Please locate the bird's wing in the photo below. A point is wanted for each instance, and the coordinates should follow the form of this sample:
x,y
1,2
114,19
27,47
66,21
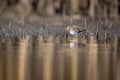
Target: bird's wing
x,y
76,29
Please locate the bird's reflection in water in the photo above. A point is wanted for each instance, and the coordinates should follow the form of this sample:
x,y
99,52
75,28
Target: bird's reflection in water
x,y
76,44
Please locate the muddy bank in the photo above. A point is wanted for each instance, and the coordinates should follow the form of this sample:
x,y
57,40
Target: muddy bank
x,y
56,26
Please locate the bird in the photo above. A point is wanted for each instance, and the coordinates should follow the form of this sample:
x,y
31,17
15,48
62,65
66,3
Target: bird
x,y
75,30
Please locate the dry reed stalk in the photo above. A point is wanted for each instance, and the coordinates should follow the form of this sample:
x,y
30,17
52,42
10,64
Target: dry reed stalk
x,y
71,21
106,32
97,31
110,26
9,27
3,31
85,23
106,29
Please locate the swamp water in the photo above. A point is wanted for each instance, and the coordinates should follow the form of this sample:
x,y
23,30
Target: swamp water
x,y
52,58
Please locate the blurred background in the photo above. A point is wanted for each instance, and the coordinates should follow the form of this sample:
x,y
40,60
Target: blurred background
x,y
87,8
34,46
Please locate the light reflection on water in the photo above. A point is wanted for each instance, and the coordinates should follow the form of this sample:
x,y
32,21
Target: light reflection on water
x,y
52,58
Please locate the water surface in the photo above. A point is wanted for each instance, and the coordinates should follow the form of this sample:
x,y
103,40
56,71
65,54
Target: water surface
x,y
54,58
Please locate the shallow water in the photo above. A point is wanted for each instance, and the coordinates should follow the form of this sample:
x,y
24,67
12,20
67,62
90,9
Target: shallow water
x,y
55,58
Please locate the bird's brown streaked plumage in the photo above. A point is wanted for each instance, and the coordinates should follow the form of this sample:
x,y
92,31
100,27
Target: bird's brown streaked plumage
x,y
75,30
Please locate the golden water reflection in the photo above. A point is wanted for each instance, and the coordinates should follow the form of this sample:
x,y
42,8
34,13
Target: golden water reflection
x,y
52,58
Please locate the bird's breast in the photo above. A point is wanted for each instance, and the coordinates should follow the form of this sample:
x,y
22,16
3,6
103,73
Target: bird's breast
x,y
76,33
73,32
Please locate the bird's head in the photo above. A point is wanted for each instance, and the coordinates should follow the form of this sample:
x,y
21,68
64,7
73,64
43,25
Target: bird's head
x,y
68,28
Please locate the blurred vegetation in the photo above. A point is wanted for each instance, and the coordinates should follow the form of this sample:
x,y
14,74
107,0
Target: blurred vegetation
x,y
90,8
